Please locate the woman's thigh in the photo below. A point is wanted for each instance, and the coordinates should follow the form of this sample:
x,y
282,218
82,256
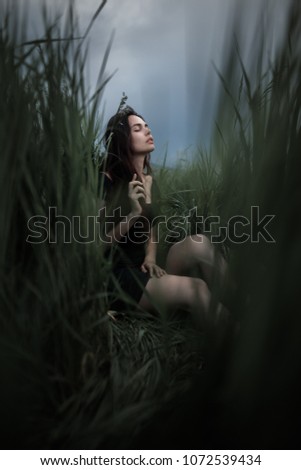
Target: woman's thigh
x,y
171,292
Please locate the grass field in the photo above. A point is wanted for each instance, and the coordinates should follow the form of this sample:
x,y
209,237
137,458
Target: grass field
x,y
72,376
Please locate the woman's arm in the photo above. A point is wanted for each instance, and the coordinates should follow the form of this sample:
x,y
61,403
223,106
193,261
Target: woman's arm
x,y
111,235
136,192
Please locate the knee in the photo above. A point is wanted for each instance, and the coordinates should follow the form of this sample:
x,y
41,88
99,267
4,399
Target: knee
x,y
200,239
199,246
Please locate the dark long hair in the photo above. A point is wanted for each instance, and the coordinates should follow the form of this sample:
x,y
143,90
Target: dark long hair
x,y
117,162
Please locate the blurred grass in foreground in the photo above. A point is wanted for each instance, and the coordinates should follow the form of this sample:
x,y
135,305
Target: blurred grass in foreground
x,y
250,396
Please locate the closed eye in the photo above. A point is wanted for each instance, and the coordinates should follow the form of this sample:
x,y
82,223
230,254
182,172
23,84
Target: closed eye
x,y
138,127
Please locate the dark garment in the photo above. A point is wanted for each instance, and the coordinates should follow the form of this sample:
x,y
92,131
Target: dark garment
x,y
128,253
132,281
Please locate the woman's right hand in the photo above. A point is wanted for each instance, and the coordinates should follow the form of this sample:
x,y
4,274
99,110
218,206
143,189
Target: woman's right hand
x,y
136,191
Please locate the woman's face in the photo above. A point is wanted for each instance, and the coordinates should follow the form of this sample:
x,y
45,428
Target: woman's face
x,y
141,140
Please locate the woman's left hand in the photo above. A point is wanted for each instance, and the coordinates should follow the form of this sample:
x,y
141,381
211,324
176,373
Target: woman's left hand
x,y
152,268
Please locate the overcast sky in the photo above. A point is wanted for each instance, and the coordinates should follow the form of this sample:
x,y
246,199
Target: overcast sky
x,y
163,50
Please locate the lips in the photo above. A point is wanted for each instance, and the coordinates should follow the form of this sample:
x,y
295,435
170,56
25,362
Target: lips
x,y
150,141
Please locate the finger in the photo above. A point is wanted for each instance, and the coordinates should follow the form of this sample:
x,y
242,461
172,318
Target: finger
x,y
138,187
134,177
136,190
157,271
143,268
151,271
136,183
139,192
161,272
137,196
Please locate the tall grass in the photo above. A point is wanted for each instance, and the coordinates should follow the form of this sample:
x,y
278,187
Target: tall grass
x,y
72,376
250,398
262,381
51,293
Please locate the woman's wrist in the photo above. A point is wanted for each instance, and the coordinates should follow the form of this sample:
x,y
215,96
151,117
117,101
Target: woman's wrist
x,y
150,259
134,214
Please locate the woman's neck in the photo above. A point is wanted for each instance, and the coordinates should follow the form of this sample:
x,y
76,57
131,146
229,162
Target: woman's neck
x,y
139,165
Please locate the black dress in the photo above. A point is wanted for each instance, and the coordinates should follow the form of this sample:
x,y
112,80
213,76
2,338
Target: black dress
x,y
128,253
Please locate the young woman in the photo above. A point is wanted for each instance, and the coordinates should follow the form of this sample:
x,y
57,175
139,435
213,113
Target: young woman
x,y
130,206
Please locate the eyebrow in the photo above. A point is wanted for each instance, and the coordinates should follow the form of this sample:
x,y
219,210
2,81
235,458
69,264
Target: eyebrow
x,y
138,124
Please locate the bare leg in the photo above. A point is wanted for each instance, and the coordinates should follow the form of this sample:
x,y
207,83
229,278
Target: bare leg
x,y
171,292
196,256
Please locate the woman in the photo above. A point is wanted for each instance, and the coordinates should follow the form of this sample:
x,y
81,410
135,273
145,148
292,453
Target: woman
x,y
130,200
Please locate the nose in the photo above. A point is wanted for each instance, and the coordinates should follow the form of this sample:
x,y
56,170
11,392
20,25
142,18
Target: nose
x,y
148,131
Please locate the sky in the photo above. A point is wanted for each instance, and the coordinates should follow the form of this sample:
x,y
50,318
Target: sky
x,y
164,52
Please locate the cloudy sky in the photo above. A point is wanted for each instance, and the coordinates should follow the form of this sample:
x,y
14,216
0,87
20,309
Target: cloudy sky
x,y
163,52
